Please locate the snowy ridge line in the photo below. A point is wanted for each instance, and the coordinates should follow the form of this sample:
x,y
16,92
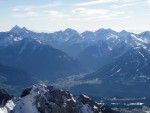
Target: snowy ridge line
x,y
48,99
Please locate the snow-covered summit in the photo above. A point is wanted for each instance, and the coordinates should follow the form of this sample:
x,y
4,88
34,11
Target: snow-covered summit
x,y
17,29
48,99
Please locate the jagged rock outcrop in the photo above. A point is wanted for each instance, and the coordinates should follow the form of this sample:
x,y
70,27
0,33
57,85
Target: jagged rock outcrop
x,y
48,99
4,97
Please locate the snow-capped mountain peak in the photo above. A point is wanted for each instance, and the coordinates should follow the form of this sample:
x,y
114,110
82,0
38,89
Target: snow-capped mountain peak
x,y
70,31
17,29
48,99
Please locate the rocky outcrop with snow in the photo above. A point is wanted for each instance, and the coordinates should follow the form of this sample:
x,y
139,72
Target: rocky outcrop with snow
x,y
4,97
48,99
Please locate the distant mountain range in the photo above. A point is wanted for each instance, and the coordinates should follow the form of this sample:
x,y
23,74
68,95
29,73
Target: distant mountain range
x,y
129,76
39,59
119,61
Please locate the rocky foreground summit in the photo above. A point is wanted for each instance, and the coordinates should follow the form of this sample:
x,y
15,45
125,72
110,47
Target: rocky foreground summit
x,y
47,99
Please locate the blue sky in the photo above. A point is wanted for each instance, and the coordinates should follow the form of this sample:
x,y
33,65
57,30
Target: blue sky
x,y
53,15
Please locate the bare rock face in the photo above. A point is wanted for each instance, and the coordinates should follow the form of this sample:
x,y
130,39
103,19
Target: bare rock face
x,y
4,97
48,99
26,92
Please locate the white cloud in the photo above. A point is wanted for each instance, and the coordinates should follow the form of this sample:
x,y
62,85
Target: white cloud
x,y
74,19
32,14
27,14
96,13
114,15
22,8
148,1
29,8
90,12
94,2
54,4
56,15
123,5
